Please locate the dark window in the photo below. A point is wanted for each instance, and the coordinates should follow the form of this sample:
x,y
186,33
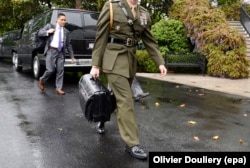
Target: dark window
x,y
73,18
90,19
14,34
38,23
5,39
26,29
48,19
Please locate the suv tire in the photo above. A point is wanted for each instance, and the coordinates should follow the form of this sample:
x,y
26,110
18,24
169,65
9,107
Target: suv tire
x,y
37,68
14,55
18,66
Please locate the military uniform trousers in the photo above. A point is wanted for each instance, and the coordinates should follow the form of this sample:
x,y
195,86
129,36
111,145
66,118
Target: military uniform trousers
x,y
126,119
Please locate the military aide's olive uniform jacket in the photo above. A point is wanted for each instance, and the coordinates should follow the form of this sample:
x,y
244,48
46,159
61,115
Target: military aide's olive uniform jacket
x,y
117,58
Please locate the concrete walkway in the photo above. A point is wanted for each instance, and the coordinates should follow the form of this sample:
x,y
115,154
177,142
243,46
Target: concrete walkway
x,y
239,87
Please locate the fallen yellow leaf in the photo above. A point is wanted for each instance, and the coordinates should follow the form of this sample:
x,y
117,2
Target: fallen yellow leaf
x,y
196,138
192,122
157,104
215,137
182,105
241,141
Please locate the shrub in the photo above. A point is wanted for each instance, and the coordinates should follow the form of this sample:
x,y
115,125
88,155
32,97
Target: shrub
x,y
246,8
231,10
145,62
227,2
182,58
171,34
211,35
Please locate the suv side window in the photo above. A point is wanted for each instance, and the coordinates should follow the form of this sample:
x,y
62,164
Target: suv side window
x,y
26,29
90,19
48,18
5,39
73,18
38,23
14,35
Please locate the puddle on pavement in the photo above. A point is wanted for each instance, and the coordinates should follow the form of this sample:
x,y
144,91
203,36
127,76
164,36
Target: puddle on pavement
x,y
25,125
176,94
194,119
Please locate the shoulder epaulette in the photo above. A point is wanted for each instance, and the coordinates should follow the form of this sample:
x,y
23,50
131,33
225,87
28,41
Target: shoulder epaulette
x,y
142,8
114,1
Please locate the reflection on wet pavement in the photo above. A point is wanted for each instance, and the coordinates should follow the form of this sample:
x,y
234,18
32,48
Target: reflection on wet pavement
x,y
194,119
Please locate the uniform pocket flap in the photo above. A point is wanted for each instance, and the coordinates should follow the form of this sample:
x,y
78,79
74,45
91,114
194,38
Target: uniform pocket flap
x,y
110,55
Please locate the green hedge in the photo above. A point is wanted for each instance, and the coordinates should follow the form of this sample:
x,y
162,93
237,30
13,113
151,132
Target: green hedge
x,y
182,57
171,36
145,62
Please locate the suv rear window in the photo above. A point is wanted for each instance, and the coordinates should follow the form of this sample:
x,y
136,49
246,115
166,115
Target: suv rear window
x,y
75,18
91,19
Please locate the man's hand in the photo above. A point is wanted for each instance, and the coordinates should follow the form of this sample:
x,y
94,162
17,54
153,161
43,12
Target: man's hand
x,y
163,70
51,31
95,71
73,60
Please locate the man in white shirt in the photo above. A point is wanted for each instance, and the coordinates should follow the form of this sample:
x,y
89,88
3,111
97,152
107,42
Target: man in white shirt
x,y
58,41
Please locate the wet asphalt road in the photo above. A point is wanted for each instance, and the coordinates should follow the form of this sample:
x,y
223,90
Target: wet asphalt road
x,y
45,130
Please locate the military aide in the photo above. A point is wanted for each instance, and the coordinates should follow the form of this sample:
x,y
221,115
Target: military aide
x,y
114,52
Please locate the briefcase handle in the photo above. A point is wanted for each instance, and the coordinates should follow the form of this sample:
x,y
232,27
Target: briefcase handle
x,y
98,83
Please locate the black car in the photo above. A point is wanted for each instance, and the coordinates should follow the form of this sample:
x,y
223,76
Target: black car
x,y
82,27
8,44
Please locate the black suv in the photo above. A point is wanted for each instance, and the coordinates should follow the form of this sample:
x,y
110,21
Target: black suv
x,y
82,27
8,44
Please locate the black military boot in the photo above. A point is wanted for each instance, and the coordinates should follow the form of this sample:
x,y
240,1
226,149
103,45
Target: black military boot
x,y
137,152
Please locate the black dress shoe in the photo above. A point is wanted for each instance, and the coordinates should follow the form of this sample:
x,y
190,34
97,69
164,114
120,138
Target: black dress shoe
x,y
100,128
140,96
137,152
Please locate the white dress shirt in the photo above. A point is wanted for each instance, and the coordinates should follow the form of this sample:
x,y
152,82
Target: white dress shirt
x,y
55,41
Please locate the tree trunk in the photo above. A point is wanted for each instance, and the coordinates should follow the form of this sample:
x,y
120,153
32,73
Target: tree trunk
x,y
78,4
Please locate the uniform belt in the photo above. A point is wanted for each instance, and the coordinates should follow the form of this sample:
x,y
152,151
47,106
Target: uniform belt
x,y
129,42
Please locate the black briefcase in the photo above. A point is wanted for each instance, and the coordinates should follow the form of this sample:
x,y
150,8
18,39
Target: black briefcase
x,y
96,101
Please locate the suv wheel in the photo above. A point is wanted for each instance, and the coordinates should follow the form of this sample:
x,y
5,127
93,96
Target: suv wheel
x,y
17,64
37,68
14,55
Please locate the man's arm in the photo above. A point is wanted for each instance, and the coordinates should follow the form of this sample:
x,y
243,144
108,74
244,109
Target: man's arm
x,y
101,36
69,46
101,40
46,31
